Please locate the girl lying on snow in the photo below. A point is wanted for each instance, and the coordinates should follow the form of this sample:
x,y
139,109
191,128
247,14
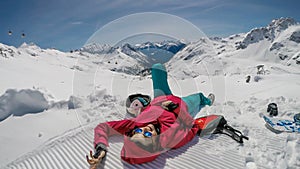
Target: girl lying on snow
x,y
164,123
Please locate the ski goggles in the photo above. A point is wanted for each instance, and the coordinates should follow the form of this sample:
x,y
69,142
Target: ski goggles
x,y
146,133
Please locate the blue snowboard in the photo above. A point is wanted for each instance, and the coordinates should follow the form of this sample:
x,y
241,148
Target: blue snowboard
x,y
278,125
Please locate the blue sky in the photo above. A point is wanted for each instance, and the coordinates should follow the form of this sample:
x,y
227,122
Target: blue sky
x,y
68,24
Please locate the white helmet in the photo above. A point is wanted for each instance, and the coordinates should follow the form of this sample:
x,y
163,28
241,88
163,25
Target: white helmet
x,y
136,102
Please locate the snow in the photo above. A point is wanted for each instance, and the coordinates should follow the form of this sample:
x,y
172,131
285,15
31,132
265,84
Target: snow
x,y
21,102
50,101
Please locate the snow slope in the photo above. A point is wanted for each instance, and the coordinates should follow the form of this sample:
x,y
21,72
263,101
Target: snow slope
x,y
66,95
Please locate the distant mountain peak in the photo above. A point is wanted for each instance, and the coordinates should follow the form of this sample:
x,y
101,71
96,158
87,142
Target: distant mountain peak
x,y
96,48
269,32
127,47
170,46
282,23
29,45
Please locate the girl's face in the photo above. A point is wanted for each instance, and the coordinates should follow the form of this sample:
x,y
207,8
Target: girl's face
x,y
149,128
142,139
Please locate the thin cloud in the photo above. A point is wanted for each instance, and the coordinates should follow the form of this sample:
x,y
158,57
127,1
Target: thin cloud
x,y
77,23
198,4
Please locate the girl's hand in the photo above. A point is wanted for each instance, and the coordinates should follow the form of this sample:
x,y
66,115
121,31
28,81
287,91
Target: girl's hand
x,y
93,162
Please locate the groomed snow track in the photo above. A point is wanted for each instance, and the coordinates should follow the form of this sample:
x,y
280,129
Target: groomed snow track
x,y
68,152
209,152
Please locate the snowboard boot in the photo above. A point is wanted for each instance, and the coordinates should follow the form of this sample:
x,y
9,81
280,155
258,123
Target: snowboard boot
x,y
216,124
272,109
236,135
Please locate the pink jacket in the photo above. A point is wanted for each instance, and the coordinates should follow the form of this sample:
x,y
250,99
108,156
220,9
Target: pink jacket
x,y
177,129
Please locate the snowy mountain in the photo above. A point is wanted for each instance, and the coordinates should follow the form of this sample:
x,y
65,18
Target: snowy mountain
x,y
136,54
96,48
118,59
276,43
280,38
270,32
147,53
50,101
171,46
189,61
160,51
26,49
132,59
7,51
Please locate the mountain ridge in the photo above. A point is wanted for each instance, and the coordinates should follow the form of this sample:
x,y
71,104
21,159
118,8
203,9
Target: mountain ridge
x,y
278,42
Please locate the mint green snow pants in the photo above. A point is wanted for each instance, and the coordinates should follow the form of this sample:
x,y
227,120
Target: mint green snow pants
x,y
161,87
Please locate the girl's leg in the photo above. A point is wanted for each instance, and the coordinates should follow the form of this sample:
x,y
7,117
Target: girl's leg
x,y
159,80
195,102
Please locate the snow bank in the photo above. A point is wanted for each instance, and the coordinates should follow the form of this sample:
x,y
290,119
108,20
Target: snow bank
x,y
72,103
19,103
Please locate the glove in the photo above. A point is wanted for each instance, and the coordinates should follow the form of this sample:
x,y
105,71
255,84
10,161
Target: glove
x,y
98,157
169,105
99,148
